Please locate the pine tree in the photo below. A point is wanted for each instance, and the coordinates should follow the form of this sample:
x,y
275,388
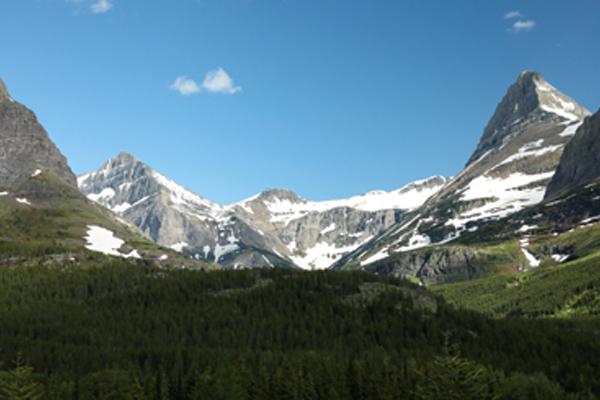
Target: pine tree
x,y
454,378
19,384
136,391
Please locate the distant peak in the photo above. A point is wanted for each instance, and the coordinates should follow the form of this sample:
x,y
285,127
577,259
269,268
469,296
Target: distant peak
x,y
529,75
280,194
123,161
531,98
126,158
4,95
424,184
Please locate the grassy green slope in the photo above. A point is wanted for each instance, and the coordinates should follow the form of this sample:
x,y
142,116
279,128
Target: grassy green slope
x,y
571,288
50,227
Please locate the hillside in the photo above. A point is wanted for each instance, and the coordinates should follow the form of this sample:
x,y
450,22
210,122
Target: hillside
x,y
272,334
45,220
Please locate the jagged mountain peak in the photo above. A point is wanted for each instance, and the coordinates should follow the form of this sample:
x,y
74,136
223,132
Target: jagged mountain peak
x,y
124,160
125,180
528,100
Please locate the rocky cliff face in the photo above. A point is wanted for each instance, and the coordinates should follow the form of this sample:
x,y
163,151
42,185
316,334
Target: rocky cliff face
x,y
275,227
24,145
515,159
580,162
531,99
433,265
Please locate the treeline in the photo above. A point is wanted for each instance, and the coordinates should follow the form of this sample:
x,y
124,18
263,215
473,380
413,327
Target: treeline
x,y
123,332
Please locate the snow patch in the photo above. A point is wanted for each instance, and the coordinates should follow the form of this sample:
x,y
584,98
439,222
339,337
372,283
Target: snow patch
x,y
532,149
330,228
105,195
132,254
591,219
179,246
23,200
533,262
506,195
180,195
321,256
103,241
380,255
417,241
560,257
267,261
561,112
571,129
527,228
221,250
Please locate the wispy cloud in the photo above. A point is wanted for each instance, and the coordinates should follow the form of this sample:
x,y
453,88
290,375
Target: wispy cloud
x,y
215,81
522,25
513,14
185,86
101,6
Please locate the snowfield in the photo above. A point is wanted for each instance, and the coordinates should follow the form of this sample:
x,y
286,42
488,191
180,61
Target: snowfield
x,y
506,195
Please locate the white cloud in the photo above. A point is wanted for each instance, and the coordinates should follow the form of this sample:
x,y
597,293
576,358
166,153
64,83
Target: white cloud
x,y
218,81
185,86
513,14
101,6
215,81
521,25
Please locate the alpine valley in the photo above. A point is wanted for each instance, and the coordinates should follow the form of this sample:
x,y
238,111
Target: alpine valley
x,y
122,284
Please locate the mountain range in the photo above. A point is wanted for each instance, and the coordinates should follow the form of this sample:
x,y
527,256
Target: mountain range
x,y
414,231
539,145
274,227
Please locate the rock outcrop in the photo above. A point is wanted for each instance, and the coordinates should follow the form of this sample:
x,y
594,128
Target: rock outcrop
x,y
24,145
580,162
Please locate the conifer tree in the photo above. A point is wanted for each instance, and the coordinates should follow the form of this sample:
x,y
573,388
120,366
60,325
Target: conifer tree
x,y
19,383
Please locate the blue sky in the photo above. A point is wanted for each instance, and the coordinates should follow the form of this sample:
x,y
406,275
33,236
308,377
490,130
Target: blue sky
x,y
327,98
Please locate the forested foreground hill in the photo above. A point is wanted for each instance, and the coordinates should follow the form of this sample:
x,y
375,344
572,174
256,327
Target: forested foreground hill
x,y
124,332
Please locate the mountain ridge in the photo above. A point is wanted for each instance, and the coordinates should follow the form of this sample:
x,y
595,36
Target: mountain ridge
x,y
272,226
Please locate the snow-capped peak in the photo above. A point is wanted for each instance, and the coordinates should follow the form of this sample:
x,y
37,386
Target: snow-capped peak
x,y
286,206
554,101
